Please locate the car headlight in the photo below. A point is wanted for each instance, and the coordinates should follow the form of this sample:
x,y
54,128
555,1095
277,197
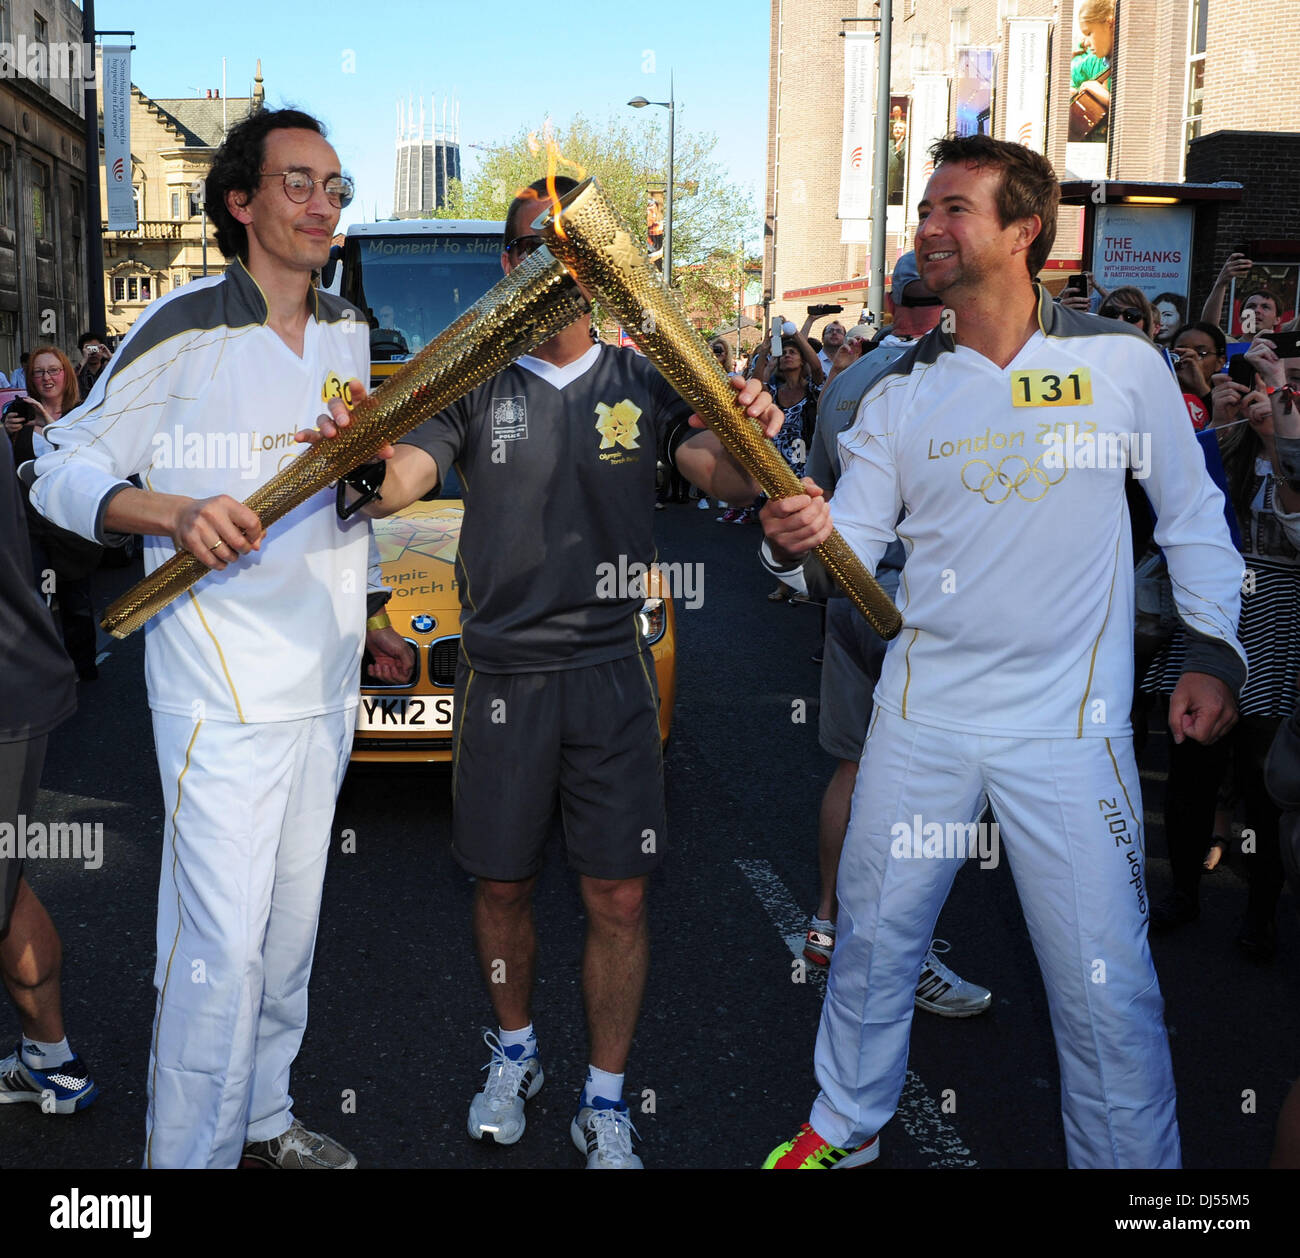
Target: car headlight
x,y
653,618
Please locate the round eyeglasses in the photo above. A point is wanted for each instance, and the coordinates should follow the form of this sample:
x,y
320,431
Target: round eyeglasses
x,y
299,185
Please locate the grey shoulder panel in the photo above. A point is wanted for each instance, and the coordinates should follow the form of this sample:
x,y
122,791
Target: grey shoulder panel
x,y
234,301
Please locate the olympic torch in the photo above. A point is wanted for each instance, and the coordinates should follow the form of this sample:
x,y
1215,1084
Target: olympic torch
x,y
588,236
526,309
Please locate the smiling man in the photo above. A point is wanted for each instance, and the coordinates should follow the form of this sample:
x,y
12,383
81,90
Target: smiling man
x,y
252,676
1011,680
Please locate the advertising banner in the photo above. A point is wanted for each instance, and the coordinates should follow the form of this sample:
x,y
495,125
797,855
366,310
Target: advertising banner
x,y
973,76
859,123
1092,89
1146,246
1027,75
117,137
928,123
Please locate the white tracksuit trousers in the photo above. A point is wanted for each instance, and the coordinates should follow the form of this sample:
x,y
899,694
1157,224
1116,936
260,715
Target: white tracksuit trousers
x,y
1069,813
249,810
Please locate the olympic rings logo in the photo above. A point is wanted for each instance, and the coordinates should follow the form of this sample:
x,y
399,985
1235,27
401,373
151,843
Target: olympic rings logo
x,y
1015,474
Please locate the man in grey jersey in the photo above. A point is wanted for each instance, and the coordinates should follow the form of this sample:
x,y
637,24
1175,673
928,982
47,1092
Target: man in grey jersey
x,y
556,705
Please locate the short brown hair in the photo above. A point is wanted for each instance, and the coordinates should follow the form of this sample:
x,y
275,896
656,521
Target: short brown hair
x,y
71,390
535,192
1029,185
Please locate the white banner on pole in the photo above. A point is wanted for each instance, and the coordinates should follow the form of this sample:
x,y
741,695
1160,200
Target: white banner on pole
x,y
117,137
929,123
859,125
1027,73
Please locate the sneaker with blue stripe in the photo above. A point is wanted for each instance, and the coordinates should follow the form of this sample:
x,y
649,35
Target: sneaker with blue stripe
x,y
603,1131
63,1090
498,1111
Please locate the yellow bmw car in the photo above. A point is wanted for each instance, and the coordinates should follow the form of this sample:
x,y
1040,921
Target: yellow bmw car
x,y
412,723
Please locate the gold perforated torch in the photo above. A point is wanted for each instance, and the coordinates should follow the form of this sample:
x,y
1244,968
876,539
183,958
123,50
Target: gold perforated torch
x,y
527,308
588,236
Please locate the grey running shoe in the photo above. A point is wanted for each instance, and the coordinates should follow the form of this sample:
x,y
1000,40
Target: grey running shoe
x,y
604,1133
498,1111
298,1150
941,991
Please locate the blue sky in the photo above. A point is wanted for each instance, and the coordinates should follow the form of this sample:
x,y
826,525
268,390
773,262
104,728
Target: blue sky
x,y
508,65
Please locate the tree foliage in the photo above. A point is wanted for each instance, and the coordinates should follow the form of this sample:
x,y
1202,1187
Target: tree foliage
x,y
711,215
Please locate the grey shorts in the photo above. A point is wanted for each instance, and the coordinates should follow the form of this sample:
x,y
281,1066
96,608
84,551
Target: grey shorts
x,y
851,663
583,742
20,775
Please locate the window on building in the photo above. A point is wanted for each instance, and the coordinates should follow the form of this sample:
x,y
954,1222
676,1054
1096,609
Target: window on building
x,y
8,341
178,278
6,23
6,185
1195,94
176,205
41,58
119,289
146,288
42,218
133,288
196,205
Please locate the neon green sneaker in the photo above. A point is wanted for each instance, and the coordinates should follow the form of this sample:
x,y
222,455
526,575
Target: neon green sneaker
x,y
810,1152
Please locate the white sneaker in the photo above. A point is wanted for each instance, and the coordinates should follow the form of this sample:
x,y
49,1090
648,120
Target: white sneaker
x,y
941,991
604,1133
498,1111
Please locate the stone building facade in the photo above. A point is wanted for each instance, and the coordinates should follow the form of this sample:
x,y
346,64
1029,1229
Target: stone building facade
x,y
172,143
42,177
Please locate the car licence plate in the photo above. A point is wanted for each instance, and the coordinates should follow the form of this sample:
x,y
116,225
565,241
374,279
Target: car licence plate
x,y
376,713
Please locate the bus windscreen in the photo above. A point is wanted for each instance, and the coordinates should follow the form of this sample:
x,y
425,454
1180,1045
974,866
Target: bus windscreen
x,y
412,287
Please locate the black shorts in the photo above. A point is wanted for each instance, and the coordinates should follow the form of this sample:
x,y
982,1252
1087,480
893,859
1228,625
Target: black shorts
x,y
20,775
584,741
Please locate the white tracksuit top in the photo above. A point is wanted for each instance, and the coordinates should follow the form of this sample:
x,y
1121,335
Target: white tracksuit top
x,y
1017,593
203,398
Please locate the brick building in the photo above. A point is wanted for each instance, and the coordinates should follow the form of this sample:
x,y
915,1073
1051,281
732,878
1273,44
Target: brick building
x,y
172,143
1179,69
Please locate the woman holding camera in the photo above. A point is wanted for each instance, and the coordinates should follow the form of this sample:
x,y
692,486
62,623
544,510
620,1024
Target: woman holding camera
x,y
52,392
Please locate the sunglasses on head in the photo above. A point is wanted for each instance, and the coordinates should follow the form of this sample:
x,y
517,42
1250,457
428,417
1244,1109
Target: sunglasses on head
x,y
1127,313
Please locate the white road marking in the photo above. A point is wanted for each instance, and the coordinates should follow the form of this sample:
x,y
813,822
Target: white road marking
x,y
918,1112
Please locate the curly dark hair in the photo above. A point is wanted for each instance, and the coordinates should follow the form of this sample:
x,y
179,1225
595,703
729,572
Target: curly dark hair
x,y
237,167
1029,185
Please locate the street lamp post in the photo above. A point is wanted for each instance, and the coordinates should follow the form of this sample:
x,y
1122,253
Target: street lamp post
x,y
640,102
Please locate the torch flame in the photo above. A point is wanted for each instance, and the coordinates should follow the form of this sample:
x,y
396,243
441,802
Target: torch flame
x,y
554,160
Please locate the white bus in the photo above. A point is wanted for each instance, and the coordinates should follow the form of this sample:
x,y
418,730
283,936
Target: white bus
x,y
413,277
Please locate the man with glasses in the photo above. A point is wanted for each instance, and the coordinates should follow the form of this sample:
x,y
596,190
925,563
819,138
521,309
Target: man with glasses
x,y
252,677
